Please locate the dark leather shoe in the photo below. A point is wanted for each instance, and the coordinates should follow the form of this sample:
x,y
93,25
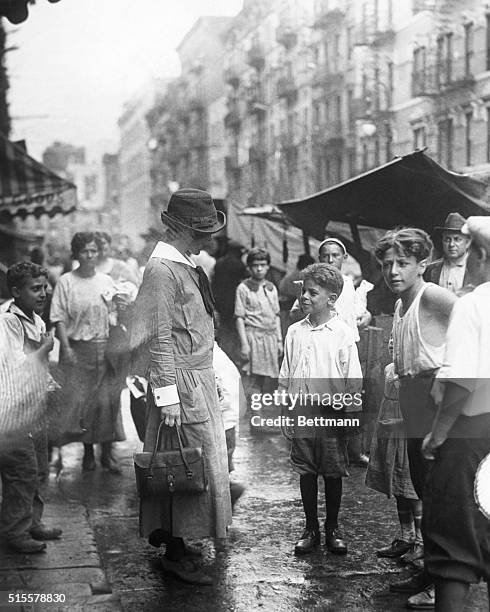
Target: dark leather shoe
x,y
334,542
414,584
40,532
308,541
415,553
110,464
425,600
395,549
186,571
26,545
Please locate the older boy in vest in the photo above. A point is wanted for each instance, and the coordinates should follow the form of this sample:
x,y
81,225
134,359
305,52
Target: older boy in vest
x,y
419,331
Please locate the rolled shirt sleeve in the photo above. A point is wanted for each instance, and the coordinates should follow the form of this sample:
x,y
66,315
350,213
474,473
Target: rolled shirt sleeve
x,y
461,357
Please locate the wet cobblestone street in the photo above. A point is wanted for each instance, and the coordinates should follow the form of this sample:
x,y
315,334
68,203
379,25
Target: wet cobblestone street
x,y
256,569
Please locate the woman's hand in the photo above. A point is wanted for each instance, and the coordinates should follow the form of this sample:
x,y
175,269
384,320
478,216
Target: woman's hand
x,y
170,414
69,356
245,352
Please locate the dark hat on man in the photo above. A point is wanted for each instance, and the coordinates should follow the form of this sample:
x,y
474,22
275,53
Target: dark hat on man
x,y
453,223
194,209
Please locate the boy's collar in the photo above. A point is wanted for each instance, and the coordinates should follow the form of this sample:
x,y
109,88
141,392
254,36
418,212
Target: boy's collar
x,y
326,324
15,309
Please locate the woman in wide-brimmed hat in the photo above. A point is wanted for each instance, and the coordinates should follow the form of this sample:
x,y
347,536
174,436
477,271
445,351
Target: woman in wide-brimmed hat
x,y
173,334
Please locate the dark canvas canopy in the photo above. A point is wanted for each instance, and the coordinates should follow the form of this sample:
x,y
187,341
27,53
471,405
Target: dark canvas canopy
x,y
27,187
410,190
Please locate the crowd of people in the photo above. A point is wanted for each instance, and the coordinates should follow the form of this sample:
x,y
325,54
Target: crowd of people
x,y
433,426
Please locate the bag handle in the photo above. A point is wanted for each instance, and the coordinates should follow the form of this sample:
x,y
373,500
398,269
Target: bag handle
x,y
188,470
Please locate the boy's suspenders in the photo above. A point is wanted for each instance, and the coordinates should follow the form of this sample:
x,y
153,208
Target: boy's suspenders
x,y
30,345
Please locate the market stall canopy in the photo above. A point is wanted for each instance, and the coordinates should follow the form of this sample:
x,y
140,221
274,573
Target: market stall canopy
x,y
410,190
29,188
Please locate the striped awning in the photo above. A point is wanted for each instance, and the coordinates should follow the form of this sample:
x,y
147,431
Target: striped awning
x,y
27,187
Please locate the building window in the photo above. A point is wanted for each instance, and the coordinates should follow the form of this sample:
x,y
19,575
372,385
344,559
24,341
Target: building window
x,y
389,142
350,108
419,138
450,143
468,122
364,85
449,57
376,151
365,156
328,172
468,47
376,93
316,113
352,163
336,53
445,142
488,40
339,168
338,109
488,133
349,42
439,60
444,60
391,84
419,70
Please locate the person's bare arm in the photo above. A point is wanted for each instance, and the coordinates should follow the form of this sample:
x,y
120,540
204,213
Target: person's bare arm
x,y
67,352
435,309
242,334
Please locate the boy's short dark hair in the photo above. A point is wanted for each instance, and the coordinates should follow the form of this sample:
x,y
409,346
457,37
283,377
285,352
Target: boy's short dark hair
x,y
408,241
79,240
258,254
21,271
326,276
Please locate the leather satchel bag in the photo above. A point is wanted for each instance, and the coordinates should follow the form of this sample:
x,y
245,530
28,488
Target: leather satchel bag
x,y
172,472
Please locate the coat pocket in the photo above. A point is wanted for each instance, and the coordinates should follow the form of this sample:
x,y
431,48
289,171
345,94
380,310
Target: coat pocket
x,y
193,405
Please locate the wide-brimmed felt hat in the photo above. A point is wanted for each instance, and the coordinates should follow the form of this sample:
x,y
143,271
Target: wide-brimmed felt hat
x,y
194,209
453,223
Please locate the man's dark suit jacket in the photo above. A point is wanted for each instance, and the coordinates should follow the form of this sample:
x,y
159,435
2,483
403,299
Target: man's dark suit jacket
x,y
432,273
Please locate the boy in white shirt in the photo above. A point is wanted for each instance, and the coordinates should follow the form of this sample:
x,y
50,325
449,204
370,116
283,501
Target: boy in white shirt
x,y
321,360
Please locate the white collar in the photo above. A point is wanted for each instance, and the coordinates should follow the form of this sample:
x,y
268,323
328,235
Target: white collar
x,y
330,324
163,250
14,309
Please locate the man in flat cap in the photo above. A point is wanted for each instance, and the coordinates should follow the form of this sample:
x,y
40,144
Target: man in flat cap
x,y
457,542
450,271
